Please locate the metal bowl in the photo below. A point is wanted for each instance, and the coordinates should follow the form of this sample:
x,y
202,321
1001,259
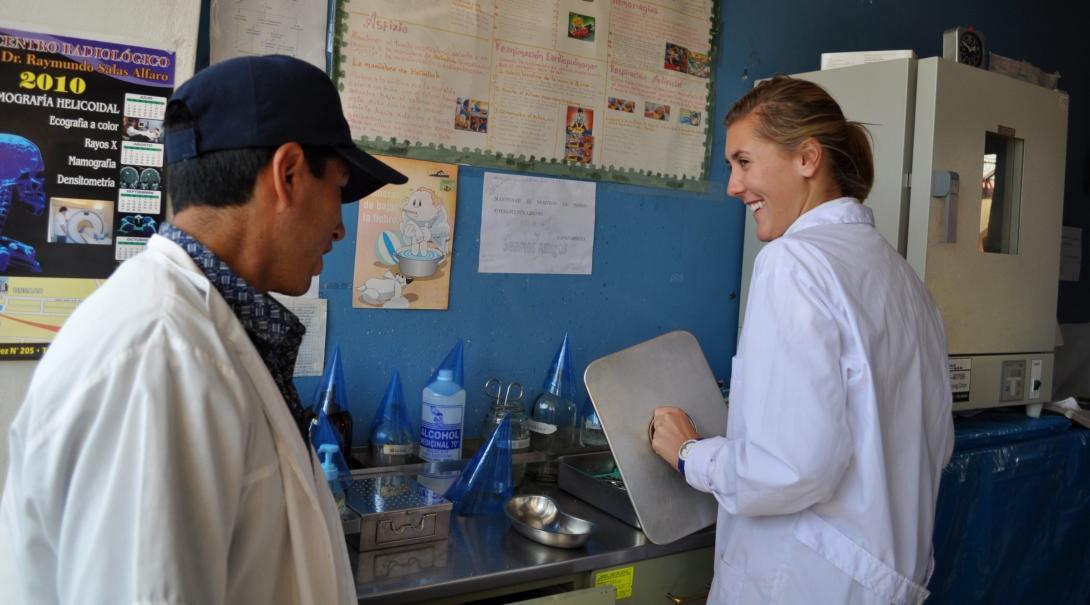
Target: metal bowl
x,y
540,519
414,266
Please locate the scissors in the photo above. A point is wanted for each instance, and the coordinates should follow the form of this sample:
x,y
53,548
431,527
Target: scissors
x,y
494,388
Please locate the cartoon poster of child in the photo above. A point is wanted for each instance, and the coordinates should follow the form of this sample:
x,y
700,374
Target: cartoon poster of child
x,y
405,238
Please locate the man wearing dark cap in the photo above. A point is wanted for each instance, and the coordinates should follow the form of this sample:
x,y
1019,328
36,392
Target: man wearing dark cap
x,y
160,454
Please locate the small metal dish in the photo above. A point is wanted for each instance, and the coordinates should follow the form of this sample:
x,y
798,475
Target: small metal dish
x,y
419,267
540,519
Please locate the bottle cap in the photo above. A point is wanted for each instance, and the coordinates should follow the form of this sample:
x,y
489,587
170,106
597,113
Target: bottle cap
x,y
326,452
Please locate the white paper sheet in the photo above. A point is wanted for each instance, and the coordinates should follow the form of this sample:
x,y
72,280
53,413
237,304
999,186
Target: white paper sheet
x,y
269,27
313,313
536,225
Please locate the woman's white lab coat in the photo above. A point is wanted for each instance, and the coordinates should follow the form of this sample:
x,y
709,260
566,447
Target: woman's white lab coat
x,y
839,423
155,461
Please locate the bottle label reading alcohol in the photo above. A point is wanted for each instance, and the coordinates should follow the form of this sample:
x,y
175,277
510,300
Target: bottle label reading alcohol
x,y
441,432
391,449
541,427
520,444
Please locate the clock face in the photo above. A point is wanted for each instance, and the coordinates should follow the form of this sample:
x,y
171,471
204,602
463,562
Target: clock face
x,y
970,49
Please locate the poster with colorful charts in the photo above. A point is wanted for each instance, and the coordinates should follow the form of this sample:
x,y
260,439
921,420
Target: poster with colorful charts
x,y
81,159
32,310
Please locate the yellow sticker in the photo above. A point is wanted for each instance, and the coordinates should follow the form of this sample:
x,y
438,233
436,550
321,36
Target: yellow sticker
x,y
621,579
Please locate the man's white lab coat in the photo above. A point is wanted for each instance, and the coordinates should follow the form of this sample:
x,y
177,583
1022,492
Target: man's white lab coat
x,y
839,423
155,461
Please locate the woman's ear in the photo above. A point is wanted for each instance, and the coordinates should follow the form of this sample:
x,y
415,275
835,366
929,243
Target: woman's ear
x,y
809,156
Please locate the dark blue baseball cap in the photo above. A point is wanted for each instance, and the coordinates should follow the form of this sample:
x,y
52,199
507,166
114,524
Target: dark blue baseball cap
x,y
268,101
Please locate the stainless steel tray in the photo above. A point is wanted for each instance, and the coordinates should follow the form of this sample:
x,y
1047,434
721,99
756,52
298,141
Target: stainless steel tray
x,y
625,388
582,476
395,510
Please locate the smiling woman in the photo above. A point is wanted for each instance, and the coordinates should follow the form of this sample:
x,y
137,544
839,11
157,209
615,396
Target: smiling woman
x,y
790,149
839,422
792,111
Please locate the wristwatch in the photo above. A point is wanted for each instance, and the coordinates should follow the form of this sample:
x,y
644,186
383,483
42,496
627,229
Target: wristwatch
x,y
683,453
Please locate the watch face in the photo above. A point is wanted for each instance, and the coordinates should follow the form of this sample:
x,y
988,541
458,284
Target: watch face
x,y
970,49
683,453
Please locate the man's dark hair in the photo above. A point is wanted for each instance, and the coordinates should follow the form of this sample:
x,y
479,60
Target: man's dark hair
x,y
222,178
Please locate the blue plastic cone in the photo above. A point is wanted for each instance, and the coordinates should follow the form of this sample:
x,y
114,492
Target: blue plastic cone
x,y
484,486
559,379
454,362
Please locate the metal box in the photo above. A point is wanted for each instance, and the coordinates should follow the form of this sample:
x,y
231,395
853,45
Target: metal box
x,y
582,476
395,510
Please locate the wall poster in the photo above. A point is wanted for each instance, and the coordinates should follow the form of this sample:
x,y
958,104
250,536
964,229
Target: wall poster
x,y
81,173
598,89
404,239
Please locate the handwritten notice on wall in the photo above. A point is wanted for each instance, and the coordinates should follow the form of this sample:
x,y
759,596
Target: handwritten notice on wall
x,y
532,224
608,90
295,28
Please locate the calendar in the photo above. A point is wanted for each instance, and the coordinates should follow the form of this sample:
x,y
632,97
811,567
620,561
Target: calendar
x,y
141,154
145,106
139,201
128,247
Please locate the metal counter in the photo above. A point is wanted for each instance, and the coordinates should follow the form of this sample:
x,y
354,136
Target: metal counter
x,y
484,553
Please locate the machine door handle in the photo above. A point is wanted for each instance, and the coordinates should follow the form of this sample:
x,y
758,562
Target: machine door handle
x,y
944,184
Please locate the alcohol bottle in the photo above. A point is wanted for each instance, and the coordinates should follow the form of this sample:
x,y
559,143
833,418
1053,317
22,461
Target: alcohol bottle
x,y
441,418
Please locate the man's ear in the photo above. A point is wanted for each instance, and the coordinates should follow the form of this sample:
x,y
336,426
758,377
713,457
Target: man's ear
x,y
287,169
809,156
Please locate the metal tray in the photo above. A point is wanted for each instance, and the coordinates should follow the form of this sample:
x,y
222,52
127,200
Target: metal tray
x,y
581,476
395,510
625,388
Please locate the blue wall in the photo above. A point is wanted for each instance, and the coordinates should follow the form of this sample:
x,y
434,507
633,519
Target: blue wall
x,y
665,260
662,261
